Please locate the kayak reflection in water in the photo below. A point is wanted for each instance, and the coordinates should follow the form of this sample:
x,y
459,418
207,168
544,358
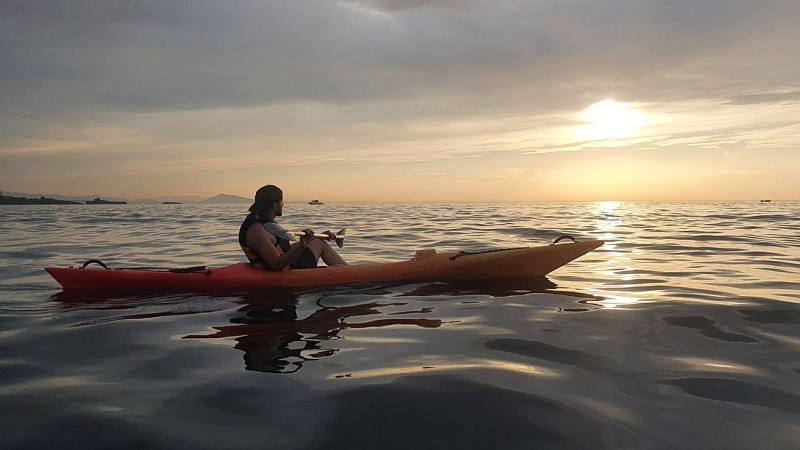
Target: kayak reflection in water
x,y
275,340
272,252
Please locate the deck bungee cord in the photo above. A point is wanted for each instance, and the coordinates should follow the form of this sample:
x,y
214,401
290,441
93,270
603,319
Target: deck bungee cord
x,y
192,269
466,253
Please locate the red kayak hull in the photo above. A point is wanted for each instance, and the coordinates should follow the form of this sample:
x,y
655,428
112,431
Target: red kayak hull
x,y
427,265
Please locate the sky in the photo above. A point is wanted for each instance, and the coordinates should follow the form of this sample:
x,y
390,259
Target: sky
x,y
402,100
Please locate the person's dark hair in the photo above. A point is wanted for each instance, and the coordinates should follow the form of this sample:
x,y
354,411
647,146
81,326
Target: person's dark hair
x,y
266,197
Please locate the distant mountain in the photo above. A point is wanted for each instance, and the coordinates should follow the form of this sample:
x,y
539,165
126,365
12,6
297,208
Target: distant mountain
x,y
226,198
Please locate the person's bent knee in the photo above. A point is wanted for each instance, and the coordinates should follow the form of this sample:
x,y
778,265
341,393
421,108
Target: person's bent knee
x,y
317,244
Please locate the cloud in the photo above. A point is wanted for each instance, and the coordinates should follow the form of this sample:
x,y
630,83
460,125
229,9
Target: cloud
x,y
176,55
791,96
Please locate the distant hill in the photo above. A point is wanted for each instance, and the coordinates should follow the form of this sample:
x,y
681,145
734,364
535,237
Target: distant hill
x,y
226,198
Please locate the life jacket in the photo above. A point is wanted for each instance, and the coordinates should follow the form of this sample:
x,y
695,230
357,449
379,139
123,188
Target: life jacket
x,y
282,245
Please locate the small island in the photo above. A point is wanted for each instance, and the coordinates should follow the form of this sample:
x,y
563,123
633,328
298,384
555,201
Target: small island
x,y
42,200
100,201
9,200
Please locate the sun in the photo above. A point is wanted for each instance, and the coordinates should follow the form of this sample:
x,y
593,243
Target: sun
x,y
610,120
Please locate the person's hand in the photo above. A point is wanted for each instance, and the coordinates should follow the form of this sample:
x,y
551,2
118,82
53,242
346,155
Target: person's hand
x,y
331,235
308,235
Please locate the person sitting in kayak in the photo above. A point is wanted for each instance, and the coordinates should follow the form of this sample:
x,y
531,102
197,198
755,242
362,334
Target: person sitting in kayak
x,y
271,252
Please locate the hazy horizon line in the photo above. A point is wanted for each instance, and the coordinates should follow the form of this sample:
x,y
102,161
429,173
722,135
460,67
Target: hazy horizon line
x,y
296,200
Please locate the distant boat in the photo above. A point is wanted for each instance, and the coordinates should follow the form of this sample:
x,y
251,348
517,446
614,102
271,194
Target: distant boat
x,y
766,200
315,202
100,201
172,203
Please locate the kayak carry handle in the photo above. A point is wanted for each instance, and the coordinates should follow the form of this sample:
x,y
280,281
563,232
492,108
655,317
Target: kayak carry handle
x,y
564,237
94,261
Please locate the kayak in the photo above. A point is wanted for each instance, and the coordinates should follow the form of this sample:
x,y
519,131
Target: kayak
x,y
426,265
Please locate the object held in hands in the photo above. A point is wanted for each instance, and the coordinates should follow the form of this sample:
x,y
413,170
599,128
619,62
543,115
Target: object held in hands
x,y
282,233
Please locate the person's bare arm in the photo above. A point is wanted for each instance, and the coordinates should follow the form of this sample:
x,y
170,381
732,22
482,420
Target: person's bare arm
x,y
264,243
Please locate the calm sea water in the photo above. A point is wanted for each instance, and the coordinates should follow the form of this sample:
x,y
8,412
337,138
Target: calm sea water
x,y
683,331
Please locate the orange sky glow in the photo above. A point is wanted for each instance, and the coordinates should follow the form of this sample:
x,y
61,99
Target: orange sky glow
x,y
404,101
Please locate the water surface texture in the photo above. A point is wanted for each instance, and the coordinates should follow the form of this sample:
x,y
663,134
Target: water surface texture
x,y
683,331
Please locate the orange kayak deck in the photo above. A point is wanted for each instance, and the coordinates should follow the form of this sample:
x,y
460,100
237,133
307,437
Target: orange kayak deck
x,y
426,265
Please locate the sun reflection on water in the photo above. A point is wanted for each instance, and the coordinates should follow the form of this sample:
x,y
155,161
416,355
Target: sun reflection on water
x,y
608,218
444,366
615,302
713,365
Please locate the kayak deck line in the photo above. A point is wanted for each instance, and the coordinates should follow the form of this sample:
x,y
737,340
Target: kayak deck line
x,y
465,253
425,266
192,269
